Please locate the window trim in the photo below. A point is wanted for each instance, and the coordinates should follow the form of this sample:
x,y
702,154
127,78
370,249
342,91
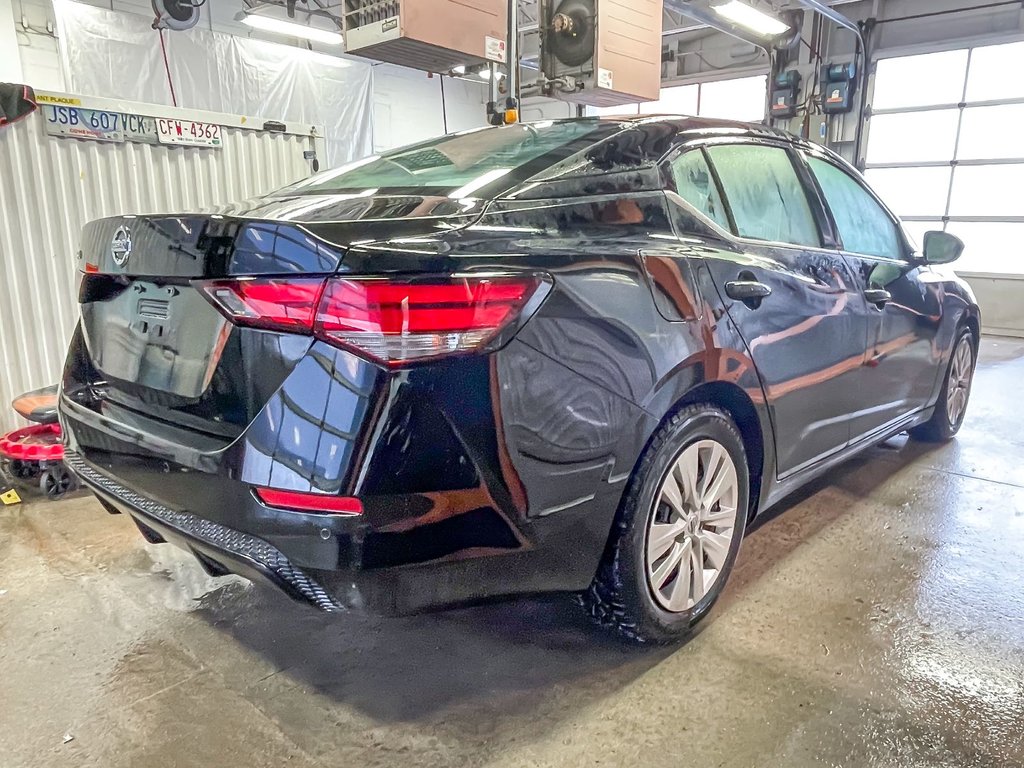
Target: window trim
x,y
669,180
908,254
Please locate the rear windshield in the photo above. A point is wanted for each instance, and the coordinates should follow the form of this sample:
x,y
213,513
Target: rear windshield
x,y
488,160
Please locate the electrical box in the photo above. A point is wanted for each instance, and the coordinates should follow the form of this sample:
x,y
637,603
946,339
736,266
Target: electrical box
x,y
434,36
838,86
601,52
785,92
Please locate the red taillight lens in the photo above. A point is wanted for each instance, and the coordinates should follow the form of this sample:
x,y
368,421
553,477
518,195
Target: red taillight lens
x,y
310,502
273,304
400,322
392,320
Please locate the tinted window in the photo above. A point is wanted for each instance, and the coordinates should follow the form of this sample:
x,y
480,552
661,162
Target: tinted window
x,y
695,184
864,226
461,164
767,199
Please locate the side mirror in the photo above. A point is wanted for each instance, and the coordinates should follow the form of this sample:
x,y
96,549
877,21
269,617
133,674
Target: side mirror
x,y
942,247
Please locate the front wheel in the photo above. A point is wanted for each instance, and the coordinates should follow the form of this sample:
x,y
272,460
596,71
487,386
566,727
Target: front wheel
x,y
677,532
951,407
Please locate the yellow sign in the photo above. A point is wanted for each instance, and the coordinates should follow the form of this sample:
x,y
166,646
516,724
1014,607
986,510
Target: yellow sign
x,y
10,497
49,98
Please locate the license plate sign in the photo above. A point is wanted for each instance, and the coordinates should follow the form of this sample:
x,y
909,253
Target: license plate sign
x,y
188,133
139,128
83,123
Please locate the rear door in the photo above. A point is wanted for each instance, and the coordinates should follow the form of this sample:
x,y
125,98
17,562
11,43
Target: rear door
x,y
790,295
902,306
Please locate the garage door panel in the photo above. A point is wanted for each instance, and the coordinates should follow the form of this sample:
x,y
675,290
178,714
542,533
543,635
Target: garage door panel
x,y
938,78
988,190
913,137
992,133
995,73
912,191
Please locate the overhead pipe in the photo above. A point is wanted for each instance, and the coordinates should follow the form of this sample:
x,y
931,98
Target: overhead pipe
x,y
862,71
511,114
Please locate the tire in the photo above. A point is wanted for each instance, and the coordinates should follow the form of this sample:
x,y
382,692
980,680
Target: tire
x,y
951,407
623,596
56,483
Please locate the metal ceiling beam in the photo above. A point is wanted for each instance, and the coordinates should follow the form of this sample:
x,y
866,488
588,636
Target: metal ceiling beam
x,y
832,15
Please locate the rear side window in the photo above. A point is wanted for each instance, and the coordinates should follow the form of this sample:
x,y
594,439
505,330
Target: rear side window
x,y
863,224
767,199
694,183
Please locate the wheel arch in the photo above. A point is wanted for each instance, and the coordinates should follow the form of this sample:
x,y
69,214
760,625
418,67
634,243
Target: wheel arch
x,y
738,405
972,322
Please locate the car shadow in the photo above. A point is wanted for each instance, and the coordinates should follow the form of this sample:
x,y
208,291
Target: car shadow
x,y
515,652
406,668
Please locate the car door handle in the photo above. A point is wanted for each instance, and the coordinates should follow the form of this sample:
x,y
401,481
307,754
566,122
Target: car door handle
x,y
750,292
878,296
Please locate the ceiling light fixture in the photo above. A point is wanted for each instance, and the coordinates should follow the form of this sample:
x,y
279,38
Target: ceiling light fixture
x,y
750,18
291,29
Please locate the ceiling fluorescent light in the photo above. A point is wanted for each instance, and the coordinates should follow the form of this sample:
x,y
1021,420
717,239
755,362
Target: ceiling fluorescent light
x,y
291,29
750,18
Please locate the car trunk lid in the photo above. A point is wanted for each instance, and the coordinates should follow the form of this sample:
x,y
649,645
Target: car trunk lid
x,y
158,344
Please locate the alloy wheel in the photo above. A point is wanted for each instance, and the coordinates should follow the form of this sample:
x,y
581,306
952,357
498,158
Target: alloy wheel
x,y
690,533
960,375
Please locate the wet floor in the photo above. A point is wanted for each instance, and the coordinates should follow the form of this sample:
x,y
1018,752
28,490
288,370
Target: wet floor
x,y
874,620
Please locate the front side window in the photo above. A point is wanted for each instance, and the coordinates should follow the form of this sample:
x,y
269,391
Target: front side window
x,y
695,184
863,224
767,199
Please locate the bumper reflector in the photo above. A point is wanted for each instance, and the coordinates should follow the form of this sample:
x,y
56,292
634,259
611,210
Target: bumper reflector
x,y
310,502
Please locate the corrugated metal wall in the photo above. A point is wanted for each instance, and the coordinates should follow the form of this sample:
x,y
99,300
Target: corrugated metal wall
x,y
49,187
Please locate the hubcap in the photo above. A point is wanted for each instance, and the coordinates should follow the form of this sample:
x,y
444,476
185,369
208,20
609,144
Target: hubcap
x,y
691,530
960,374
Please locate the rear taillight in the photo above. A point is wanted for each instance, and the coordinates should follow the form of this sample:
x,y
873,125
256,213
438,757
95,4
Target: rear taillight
x,y
392,320
272,304
400,322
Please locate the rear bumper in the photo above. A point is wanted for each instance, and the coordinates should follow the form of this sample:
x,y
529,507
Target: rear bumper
x,y
481,477
221,550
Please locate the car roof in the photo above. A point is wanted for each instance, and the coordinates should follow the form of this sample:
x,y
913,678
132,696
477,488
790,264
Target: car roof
x,y
698,126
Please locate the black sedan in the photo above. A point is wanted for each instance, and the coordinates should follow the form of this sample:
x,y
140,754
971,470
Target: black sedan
x,y
565,356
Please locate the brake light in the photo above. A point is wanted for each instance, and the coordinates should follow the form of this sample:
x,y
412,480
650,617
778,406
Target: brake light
x,y
310,502
401,322
271,304
392,320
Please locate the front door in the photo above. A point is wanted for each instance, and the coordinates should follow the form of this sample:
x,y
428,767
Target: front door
x,y
794,302
903,308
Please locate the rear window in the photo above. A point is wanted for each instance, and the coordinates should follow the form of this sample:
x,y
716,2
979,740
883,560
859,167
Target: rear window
x,y
465,164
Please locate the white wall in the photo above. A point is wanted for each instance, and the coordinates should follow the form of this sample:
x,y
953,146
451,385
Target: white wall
x,y
1000,298
407,103
407,106
10,62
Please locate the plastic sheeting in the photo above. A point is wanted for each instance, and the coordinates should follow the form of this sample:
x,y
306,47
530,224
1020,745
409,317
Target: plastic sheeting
x,y
105,53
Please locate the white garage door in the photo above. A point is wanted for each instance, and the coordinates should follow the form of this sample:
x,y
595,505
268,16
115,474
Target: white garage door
x,y
739,98
946,149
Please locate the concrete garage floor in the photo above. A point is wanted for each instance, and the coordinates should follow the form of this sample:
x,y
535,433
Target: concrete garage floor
x,y
875,620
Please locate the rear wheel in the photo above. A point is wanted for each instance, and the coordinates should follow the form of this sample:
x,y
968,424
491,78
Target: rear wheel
x,y
677,532
951,407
